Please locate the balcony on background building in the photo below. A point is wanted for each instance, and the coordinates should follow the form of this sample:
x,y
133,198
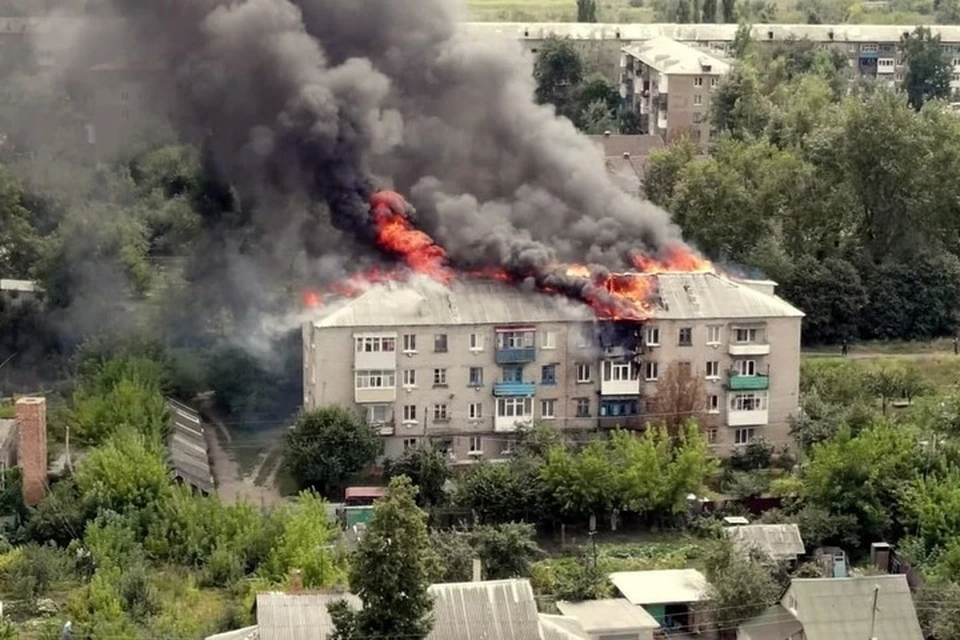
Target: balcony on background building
x,y
620,422
749,349
516,356
748,383
509,389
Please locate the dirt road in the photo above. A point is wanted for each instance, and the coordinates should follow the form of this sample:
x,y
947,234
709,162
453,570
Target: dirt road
x,y
233,486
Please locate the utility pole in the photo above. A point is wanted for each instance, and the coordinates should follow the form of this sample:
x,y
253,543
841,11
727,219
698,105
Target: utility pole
x,y
873,611
66,444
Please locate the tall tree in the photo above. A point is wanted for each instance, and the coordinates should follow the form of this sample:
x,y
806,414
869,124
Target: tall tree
x,y
709,11
558,71
740,588
427,468
389,572
680,398
928,68
586,10
728,11
327,446
684,11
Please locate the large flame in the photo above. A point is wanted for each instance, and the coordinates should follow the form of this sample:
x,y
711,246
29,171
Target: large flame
x,y
629,296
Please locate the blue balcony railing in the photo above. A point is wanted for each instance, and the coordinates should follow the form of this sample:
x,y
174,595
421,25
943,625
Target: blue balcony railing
x,y
513,356
506,389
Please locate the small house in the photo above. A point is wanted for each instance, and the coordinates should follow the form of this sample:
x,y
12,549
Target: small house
x,y
780,542
610,619
670,596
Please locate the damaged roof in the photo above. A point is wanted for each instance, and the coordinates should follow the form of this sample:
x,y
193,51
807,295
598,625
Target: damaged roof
x,y
778,541
188,448
421,301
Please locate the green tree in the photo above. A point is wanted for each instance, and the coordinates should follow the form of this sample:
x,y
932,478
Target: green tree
x,y
928,68
684,12
558,71
728,11
597,119
511,492
586,10
427,468
831,295
505,550
739,105
664,168
740,588
307,542
389,572
709,11
327,446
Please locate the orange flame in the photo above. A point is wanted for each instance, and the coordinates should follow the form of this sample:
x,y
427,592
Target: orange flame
x,y
627,296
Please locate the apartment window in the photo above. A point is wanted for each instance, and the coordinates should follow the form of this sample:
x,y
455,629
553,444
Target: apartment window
x,y
476,377
615,408
714,332
514,407
713,369
743,336
685,337
410,343
410,377
515,340
548,374
409,443
439,377
713,82
747,402
868,48
512,373
743,436
713,403
378,413
440,413
888,62
476,342
651,370
376,344
409,413
584,338
507,447
376,379
652,337
475,411
745,367
583,372
582,407
620,371
698,81
711,436
548,340
697,99
440,343
548,408
476,446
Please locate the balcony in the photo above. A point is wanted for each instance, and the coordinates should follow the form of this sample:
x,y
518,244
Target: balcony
x,y
513,389
385,428
620,422
749,349
755,418
516,356
748,383
505,424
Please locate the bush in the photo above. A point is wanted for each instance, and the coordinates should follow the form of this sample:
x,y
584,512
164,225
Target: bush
x,y
34,570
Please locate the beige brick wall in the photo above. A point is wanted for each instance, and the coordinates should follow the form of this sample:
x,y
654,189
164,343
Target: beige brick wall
x,y
32,447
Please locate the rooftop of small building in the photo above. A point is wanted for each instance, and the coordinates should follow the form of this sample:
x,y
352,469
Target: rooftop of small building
x,y
779,541
608,615
424,302
667,586
671,57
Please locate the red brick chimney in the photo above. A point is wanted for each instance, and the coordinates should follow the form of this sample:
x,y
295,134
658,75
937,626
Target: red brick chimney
x,y
32,448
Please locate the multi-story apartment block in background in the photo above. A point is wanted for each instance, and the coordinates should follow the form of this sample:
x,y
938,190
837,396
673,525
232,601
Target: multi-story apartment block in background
x,y
669,84
463,367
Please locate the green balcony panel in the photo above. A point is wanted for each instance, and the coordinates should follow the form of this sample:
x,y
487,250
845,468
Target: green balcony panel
x,y
748,383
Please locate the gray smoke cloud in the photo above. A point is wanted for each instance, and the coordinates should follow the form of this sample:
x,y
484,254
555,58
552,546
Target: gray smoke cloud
x,y
323,101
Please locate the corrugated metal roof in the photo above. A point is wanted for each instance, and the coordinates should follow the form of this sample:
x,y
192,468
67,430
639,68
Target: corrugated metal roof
x,y
702,32
670,586
775,623
561,628
489,610
608,616
470,302
779,541
669,56
298,616
189,457
842,608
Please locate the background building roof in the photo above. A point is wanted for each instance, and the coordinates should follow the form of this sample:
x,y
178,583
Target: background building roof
x,y
489,610
779,541
842,608
298,616
671,586
608,616
669,56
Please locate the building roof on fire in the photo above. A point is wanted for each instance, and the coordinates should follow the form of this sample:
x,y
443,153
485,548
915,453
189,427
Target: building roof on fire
x,y
423,302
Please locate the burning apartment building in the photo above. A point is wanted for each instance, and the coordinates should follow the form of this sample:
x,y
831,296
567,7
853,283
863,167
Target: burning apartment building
x,y
463,365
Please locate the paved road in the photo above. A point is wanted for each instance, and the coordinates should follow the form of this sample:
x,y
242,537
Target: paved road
x,y
233,486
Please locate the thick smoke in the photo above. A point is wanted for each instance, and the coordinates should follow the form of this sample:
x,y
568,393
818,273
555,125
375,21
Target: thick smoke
x,y
322,101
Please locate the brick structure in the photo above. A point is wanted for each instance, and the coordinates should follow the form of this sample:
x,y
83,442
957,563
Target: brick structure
x,y
32,447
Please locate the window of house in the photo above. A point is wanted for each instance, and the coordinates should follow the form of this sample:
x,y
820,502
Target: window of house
x,y
440,343
711,436
439,377
409,413
476,342
614,408
548,374
747,402
410,377
744,435
475,411
652,337
651,370
620,371
685,337
409,443
548,340
376,344
698,81
514,407
583,372
378,413
868,48
745,367
713,82
582,407
713,403
743,336
476,377
512,373
697,99
714,332
713,369
515,339
476,445
440,412
376,379
548,408
409,343
507,447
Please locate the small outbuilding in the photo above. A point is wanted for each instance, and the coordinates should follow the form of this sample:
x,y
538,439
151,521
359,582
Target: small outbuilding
x,y
670,596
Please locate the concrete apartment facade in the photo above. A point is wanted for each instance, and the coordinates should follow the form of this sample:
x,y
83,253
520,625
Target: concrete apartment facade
x,y
670,85
465,367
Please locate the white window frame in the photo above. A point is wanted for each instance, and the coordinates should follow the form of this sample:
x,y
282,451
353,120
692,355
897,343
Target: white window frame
x,y
409,378
577,403
713,82
409,443
410,343
713,403
713,369
475,446
475,410
744,435
372,411
515,407
680,341
375,379
869,48
697,99
548,340
698,81
712,436
437,339
714,334
652,336
651,370
551,405
748,401
476,342
525,339
439,377
746,335
376,344
583,373
746,368
470,381
410,414
441,412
